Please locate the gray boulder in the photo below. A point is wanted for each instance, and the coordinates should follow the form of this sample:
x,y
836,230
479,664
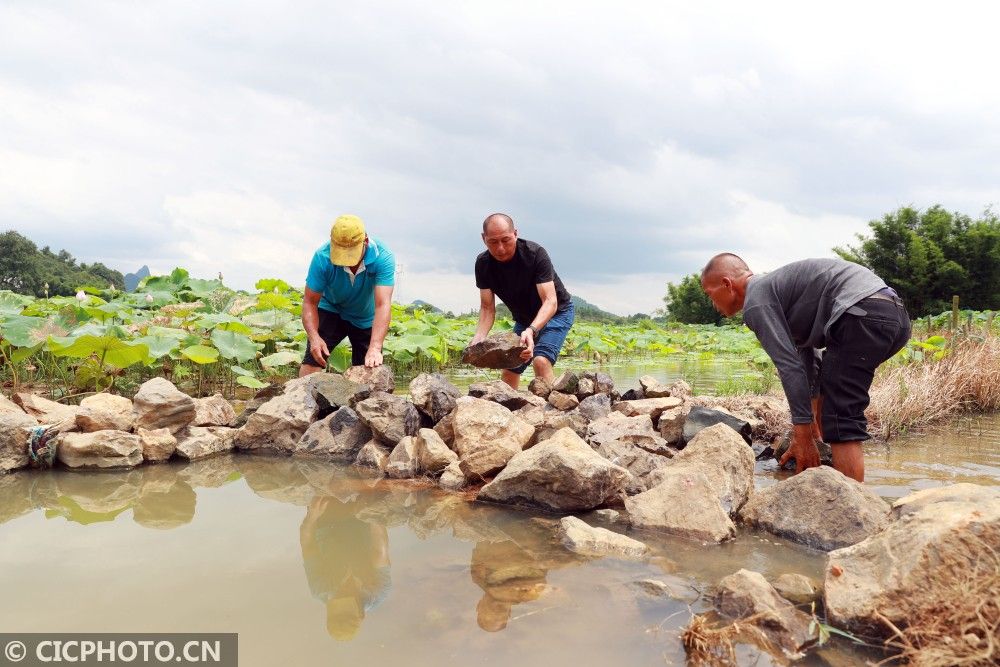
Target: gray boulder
x,y
338,436
584,388
433,455
200,442
500,392
15,432
433,395
722,456
452,479
562,474
390,418
596,406
603,384
561,401
159,404
642,465
373,455
746,596
941,546
402,462
487,435
653,388
333,391
820,508
700,418
566,383
651,407
157,445
379,378
100,449
278,425
586,540
671,425
637,430
103,412
683,503
44,410
500,350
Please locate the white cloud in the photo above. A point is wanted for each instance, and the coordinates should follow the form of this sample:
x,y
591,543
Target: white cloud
x,y
631,140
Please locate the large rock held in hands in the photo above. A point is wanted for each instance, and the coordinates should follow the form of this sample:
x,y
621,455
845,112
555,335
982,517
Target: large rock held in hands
x,y
562,474
501,351
820,508
159,404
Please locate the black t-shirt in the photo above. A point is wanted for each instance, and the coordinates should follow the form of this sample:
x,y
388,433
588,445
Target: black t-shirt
x,y
515,281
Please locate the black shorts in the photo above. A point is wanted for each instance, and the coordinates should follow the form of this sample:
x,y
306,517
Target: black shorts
x,y
861,339
332,329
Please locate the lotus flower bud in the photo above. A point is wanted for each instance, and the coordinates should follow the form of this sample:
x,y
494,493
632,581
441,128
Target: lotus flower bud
x,y
81,297
149,298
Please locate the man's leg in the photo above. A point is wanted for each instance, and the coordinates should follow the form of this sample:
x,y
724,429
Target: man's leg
x,y
849,459
332,330
360,340
512,379
856,345
543,369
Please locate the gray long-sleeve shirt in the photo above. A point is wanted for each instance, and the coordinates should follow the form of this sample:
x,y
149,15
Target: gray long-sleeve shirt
x,y
791,310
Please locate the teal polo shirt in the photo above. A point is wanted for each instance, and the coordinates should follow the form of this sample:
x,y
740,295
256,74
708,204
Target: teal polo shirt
x,y
352,296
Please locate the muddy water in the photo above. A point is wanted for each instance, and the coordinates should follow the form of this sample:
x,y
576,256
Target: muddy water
x,y
312,564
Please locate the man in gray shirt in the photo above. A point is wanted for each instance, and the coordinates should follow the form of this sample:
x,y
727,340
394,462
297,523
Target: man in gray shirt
x,y
799,309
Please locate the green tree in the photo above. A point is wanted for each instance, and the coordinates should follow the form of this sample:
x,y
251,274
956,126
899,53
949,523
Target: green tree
x,y
26,269
928,256
686,302
18,264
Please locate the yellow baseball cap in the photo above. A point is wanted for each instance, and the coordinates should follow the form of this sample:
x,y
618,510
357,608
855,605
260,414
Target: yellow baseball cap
x,y
347,240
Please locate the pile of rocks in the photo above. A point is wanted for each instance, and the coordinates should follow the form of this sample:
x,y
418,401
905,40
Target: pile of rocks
x,y
109,431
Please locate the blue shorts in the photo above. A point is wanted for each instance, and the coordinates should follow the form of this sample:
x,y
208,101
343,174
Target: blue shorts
x,y
550,339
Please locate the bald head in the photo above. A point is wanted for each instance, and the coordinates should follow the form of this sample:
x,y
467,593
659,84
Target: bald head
x,y
724,265
501,221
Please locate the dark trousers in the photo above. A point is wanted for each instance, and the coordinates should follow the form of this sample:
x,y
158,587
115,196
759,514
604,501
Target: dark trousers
x,y
861,339
332,329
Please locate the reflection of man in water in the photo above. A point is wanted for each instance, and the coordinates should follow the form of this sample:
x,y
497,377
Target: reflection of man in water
x,y
508,575
346,562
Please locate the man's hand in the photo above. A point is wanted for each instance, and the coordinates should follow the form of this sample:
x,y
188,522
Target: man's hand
x,y
373,357
528,340
319,350
803,448
478,338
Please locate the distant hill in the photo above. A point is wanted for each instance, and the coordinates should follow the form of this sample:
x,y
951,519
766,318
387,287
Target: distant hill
x,y
132,279
423,305
27,270
588,311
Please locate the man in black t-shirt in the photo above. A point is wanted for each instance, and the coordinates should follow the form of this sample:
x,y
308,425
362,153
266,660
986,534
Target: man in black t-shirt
x,y
521,274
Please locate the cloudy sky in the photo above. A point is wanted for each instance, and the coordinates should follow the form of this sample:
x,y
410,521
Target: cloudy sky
x,y
633,140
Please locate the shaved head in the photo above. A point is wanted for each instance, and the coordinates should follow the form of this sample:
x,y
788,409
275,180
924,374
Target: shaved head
x,y
724,265
498,219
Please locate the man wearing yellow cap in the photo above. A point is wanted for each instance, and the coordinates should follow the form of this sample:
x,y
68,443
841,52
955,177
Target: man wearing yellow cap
x,y
348,293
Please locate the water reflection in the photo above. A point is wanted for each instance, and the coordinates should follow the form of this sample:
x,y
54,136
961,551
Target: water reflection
x,y
346,562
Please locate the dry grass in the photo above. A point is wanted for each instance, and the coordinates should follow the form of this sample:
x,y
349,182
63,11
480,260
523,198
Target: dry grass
x,y
903,397
957,617
913,396
711,643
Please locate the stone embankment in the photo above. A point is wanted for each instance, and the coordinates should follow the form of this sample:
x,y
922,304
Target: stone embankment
x,y
655,456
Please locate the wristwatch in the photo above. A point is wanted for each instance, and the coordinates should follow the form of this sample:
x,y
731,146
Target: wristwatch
x,y
534,331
